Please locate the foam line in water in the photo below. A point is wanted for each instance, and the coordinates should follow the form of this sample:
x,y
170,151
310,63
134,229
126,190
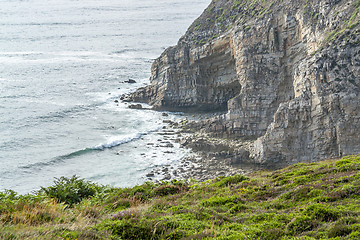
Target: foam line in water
x,y
76,153
40,165
112,142
116,141
56,160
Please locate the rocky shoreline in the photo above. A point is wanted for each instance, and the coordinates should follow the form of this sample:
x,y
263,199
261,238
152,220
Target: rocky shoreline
x,y
207,157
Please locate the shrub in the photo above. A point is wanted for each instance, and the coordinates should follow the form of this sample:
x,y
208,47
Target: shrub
x,y
238,208
348,163
9,195
137,190
77,234
270,234
300,224
126,229
125,214
322,212
121,204
174,235
225,181
8,236
302,193
220,201
167,190
339,230
70,190
354,235
357,3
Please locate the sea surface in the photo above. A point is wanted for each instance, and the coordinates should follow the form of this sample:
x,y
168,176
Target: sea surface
x,y
63,63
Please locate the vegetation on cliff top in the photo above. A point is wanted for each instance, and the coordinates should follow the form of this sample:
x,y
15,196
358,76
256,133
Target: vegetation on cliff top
x,y
220,16
303,201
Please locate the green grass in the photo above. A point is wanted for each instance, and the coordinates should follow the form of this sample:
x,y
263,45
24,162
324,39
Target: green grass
x,y
303,201
220,19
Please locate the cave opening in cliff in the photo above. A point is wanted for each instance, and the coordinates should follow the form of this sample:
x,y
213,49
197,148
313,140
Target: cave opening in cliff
x,y
217,81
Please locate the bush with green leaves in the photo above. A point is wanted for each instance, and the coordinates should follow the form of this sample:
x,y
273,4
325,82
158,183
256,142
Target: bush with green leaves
x,y
71,190
300,224
322,212
339,230
227,181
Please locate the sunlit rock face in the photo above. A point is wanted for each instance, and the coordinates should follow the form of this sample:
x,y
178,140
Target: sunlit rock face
x,y
287,73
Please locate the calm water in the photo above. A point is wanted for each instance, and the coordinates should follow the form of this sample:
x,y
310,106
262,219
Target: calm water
x,y
62,65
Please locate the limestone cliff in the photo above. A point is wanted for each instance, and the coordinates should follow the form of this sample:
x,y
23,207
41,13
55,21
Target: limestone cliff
x,y
287,72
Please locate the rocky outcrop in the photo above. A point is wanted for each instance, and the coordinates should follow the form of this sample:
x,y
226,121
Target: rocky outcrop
x,y
183,78
287,73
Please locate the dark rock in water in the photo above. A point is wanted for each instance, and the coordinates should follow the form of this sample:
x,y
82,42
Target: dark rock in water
x,y
150,175
122,98
167,177
116,101
130,81
165,114
168,145
135,106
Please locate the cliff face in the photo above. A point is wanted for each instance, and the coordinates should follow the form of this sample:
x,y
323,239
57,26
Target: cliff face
x,y
287,72
193,78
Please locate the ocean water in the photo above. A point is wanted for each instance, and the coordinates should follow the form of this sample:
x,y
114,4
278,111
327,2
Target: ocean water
x,y
63,64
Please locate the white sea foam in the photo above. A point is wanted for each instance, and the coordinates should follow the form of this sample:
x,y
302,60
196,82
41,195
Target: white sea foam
x,y
45,101
65,56
118,140
20,53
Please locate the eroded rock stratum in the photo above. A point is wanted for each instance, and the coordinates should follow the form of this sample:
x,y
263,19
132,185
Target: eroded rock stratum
x,y
287,73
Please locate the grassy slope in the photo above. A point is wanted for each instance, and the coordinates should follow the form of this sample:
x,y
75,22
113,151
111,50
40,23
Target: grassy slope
x,y
304,201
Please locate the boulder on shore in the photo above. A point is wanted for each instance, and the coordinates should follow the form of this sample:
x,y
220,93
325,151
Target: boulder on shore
x,y
135,106
130,81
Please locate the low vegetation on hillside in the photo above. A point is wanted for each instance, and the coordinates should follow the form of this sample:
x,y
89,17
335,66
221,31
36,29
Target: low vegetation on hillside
x,y
303,201
220,16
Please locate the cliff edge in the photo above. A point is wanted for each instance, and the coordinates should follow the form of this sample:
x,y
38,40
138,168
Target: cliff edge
x,y
287,73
